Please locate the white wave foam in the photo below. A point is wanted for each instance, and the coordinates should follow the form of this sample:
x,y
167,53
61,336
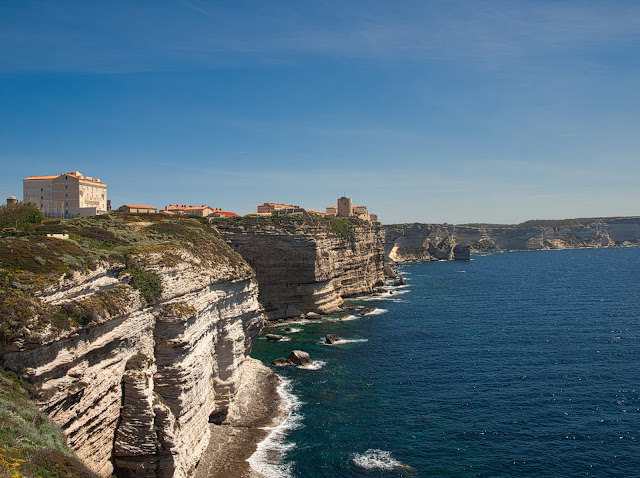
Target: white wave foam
x,y
270,452
343,341
293,330
315,365
351,341
378,460
377,312
342,318
304,321
384,296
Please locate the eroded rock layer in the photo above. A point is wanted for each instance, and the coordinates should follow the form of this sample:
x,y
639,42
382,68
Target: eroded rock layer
x,y
133,385
306,264
415,242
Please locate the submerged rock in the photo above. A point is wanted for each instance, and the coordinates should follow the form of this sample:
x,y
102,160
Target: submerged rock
x,y
398,281
367,311
281,362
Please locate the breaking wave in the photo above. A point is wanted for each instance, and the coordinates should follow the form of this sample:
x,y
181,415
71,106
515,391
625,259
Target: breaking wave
x,y
379,460
271,452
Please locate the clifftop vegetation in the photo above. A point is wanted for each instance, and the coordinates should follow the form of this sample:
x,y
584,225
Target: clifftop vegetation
x,y
291,223
31,261
31,444
534,223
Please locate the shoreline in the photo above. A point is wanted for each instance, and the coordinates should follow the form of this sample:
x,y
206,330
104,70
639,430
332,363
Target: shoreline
x,y
256,406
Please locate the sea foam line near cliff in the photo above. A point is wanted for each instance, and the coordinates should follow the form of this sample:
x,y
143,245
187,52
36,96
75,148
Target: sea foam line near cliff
x,y
268,459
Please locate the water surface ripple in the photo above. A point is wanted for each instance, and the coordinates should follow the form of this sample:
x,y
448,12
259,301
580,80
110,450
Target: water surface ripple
x,y
511,365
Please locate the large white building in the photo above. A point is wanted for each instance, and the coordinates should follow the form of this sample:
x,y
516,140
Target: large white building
x,y
66,195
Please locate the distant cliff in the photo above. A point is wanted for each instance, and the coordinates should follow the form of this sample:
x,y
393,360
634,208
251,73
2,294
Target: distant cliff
x,y
407,242
132,334
307,263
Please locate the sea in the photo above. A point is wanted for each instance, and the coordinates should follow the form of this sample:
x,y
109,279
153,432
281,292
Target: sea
x,y
523,364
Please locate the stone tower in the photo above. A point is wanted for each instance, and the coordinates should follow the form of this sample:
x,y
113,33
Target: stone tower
x,y
12,200
344,207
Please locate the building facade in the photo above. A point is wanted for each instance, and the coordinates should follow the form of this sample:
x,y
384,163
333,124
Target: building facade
x,y
271,207
345,207
66,195
135,209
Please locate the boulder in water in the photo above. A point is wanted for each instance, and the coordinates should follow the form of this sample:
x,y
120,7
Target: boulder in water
x,y
367,311
331,339
298,357
399,281
274,337
281,362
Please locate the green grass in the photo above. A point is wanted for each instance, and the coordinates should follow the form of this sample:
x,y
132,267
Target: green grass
x,y
139,244
291,223
30,443
20,216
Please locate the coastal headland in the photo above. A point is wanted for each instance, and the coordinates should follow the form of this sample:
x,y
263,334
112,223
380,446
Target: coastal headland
x,y
424,242
132,331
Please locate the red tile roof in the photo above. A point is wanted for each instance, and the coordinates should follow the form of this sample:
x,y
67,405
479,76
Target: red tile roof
x,y
226,213
40,177
186,208
138,207
74,174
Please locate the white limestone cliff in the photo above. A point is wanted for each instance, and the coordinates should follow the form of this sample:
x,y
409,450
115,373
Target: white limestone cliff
x,y
134,392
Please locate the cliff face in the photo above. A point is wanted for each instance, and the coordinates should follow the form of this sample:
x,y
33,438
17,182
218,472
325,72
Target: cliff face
x,y
406,242
131,358
308,264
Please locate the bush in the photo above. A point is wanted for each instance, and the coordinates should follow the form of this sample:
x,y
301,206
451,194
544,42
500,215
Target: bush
x,y
30,443
147,282
340,226
20,215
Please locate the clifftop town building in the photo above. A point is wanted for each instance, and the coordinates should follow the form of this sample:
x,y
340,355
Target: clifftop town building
x,y
66,195
138,209
274,207
345,208
202,211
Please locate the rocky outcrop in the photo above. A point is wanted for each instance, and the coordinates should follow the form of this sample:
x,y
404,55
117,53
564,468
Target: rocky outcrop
x,y
134,387
418,242
308,264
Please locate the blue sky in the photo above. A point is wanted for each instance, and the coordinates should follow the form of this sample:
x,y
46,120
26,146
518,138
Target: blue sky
x,y
424,110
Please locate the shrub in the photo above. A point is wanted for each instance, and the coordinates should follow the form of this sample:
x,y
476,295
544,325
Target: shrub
x,y
147,282
30,443
340,226
19,215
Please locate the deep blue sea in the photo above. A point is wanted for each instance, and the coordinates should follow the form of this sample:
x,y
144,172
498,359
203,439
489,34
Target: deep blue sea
x,y
511,365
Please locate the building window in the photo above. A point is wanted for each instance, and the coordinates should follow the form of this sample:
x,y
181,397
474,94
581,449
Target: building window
x,y
41,197
66,177
41,189
66,186
66,204
66,195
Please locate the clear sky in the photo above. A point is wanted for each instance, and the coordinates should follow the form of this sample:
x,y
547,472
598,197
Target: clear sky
x,y
424,110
